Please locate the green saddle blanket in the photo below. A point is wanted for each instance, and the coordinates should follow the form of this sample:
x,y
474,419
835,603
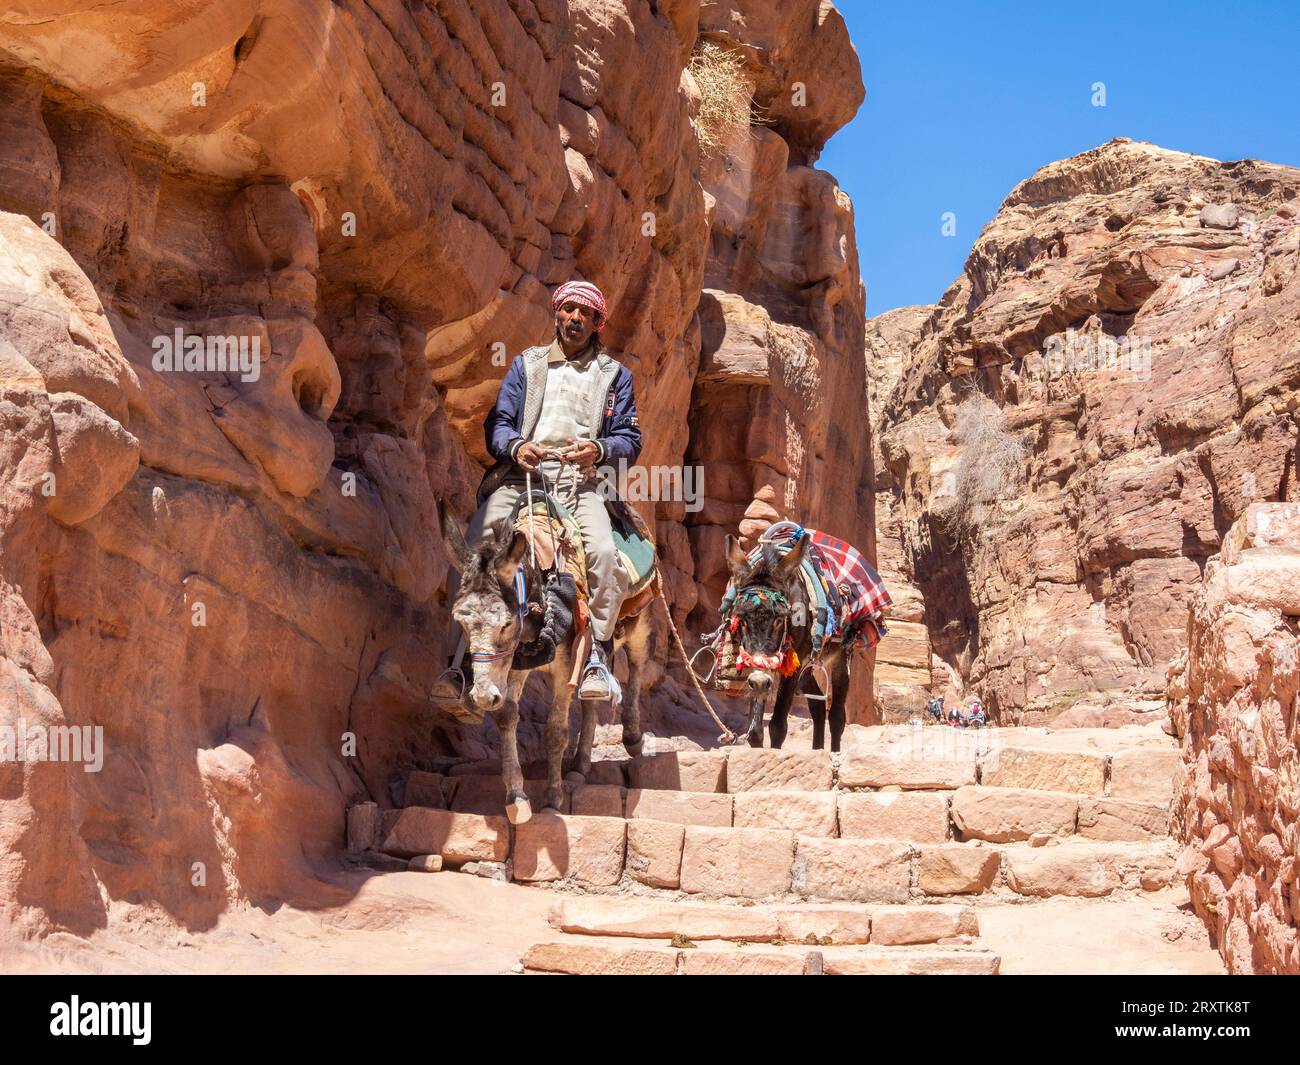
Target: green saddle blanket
x,y
635,549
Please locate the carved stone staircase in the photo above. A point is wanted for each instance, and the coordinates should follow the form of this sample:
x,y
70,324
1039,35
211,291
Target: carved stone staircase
x,y
875,860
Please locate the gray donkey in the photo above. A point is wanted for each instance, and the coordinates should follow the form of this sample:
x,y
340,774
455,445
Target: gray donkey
x,y
495,622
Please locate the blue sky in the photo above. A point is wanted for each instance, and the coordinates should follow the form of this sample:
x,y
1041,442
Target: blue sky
x,y
965,100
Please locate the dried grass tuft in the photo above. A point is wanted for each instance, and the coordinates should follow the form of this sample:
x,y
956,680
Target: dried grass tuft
x,y
990,467
726,97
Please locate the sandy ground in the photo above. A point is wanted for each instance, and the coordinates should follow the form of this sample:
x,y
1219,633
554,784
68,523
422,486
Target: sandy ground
x,y
455,923
394,923
1149,934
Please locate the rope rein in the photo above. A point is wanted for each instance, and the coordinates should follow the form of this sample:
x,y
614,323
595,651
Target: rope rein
x,y
727,736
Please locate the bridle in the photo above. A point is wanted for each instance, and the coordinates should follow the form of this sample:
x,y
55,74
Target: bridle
x,y
757,595
521,601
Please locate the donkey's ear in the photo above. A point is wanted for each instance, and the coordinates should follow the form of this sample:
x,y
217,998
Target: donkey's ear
x,y
509,556
737,559
790,562
453,540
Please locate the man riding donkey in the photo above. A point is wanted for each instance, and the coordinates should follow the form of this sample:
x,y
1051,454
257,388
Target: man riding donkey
x,y
563,410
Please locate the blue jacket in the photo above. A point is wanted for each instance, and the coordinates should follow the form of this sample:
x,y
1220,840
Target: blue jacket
x,y
519,401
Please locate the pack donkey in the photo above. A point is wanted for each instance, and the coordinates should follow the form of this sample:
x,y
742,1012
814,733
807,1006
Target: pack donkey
x,y
498,621
771,603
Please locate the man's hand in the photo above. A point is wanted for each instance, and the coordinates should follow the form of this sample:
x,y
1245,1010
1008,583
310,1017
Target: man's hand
x,y
582,453
530,455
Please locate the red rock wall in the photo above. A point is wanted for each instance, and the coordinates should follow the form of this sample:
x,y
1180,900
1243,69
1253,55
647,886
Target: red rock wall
x,y
1233,701
779,421
1073,588
381,193
903,679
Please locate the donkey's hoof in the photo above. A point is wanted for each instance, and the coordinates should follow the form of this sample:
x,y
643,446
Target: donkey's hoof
x,y
633,744
519,811
755,741
575,777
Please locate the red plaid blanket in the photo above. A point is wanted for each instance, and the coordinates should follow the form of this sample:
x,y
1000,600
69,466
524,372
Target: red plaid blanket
x,y
859,584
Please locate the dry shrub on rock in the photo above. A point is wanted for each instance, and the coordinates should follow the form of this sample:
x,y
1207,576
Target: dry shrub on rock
x,y
990,467
726,97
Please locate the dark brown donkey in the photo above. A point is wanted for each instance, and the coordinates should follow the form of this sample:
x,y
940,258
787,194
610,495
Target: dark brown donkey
x,y
777,603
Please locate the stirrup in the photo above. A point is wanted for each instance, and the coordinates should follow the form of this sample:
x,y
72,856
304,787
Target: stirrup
x,y
614,691
713,665
457,706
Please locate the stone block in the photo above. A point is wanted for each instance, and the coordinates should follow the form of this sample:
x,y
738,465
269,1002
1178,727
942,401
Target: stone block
x,y
1002,815
918,816
806,813
680,807
763,769
457,837
739,862
861,870
554,846
654,853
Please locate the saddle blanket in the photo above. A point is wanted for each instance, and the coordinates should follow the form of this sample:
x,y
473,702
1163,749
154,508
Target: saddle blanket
x,y
556,528
848,595
860,587
555,532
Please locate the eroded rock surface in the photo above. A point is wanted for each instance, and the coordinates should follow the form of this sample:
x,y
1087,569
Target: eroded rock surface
x,y
233,566
1233,702
1139,340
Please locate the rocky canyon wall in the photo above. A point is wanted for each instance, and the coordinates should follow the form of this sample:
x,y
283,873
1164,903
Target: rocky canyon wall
x,y
779,411
1068,435
1232,699
238,576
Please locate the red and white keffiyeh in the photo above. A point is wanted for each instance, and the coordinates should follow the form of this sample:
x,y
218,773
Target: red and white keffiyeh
x,y
583,292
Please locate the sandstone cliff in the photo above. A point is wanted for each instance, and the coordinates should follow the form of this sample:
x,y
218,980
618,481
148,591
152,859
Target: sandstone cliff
x,y
239,578
1232,698
1070,432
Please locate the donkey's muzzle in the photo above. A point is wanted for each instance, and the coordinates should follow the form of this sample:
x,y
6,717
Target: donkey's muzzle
x,y
759,681
486,697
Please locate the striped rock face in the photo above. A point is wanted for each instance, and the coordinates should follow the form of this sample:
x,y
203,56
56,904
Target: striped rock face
x,y
1123,307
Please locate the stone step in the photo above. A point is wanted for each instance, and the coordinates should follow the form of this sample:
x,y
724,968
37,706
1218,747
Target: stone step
x,y
763,863
919,767
578,956
813,925
974,811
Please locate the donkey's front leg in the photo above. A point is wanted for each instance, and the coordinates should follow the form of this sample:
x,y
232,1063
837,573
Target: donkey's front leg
x,y
754,734
816,710
518,808
586,737
557,738
839,693
776,726
639,647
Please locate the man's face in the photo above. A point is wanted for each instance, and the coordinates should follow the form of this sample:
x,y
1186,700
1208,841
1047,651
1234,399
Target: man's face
x,y
574,323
